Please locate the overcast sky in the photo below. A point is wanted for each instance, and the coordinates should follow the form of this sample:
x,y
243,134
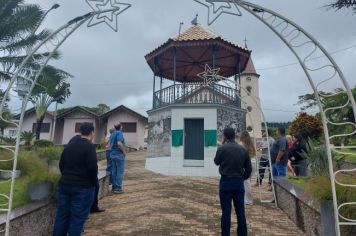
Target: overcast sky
x,y
110,67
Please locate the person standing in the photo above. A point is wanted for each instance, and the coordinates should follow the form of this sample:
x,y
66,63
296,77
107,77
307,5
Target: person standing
x,y
299,164
279,154
266,146
234,167
95,206
247,143
117,156
107,153
76,187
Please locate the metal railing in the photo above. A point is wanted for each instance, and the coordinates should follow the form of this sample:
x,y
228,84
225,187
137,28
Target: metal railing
x,y
196,94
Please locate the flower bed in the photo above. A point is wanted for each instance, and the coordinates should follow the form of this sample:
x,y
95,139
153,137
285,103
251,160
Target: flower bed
x,y
34,168
307,201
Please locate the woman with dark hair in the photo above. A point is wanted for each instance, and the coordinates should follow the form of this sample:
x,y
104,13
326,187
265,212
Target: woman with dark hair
x,y
299,164
246,142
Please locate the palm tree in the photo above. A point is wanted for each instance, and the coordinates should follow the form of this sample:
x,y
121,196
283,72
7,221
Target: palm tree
x,y
28,137
342,4
18,25
52,87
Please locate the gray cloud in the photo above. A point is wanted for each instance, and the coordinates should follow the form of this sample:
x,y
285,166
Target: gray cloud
x,y
110,67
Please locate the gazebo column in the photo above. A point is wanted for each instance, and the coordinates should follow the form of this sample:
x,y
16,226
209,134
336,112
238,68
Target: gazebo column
x,y
154,83
160,90
238,85
213,79
174,72
154,86
184,89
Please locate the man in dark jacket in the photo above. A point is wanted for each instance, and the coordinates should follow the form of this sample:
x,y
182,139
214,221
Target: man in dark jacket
x,y
234,166
76,188
95,206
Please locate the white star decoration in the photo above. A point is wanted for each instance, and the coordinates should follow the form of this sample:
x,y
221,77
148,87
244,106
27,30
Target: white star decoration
x,y
209,75
105,7
215,12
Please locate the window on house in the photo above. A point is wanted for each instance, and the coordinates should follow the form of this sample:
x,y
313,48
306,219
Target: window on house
x,y
44,128
12,132
77,126
129,127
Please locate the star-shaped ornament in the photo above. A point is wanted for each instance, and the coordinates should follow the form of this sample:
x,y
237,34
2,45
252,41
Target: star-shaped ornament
x,y
209,75
107,12
218,7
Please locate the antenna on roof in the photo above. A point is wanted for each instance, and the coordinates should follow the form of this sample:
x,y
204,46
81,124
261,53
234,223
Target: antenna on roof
x,y
246,42
195,20
180,28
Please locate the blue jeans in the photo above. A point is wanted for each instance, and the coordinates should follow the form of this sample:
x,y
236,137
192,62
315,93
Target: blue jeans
x,y
118,169
108,164
232,189
74,204
278,170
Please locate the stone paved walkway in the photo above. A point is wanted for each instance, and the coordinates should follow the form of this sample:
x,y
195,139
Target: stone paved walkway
x,y
153,204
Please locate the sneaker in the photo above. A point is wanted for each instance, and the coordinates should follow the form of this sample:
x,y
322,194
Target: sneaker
x,y
117,191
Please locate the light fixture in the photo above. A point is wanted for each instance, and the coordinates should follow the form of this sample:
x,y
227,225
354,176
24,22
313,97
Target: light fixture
x,y
55,6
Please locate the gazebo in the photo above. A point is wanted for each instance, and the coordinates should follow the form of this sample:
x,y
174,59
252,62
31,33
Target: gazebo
x,y
189,114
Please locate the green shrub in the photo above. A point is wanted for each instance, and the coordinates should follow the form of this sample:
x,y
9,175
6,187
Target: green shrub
x,y
319,187
27,137
8,141
6,161
318,159
34,167
43,143
49,153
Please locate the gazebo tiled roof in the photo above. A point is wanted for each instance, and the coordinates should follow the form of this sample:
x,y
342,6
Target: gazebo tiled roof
x,y
196,32
193,48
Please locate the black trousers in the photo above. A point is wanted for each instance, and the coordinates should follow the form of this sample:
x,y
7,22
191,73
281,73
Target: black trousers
x,y
263,165
95,205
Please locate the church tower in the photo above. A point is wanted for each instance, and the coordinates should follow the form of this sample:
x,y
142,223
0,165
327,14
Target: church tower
x,y
251,95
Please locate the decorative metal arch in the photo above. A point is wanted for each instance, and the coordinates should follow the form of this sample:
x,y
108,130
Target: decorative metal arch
x,y
296,38
237,86
50,44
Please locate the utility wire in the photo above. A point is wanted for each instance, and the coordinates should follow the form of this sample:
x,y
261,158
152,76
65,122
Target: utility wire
x,y
313,58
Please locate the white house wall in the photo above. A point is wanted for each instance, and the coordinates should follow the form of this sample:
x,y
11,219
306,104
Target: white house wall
x,y
69,124
134,140
31,119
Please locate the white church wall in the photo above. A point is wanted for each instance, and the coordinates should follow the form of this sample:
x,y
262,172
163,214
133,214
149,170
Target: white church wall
x,y
255,114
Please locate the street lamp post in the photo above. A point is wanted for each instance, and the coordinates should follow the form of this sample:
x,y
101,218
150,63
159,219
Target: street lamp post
x,y
55,6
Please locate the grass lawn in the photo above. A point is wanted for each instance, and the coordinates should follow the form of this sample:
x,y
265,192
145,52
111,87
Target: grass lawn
x,y
350,157
300,182
20,192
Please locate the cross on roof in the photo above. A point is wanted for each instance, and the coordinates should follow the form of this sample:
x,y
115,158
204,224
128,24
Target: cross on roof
x,y
246,42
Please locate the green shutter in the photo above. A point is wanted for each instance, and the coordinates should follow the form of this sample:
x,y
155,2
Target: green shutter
x,y
177,138
210,138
